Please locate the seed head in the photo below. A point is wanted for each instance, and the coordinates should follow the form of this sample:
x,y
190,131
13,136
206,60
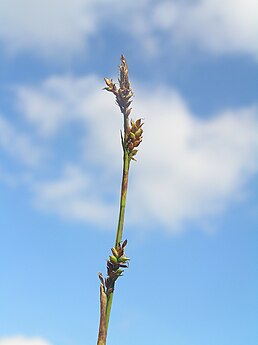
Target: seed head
x,y
132,132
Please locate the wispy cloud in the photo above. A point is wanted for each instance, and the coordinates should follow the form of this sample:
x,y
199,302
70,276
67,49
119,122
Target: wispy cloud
x,y
18,145
60,101
189,167
216,26
21,340
55,27
47,27
74,195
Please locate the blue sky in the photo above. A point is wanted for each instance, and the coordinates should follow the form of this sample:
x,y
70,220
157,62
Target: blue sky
x,y
191,221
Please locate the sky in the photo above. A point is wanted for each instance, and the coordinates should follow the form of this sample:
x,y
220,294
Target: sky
x,y
191,218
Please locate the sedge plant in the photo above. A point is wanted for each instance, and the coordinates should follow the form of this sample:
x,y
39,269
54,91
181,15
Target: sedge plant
x,y
131,137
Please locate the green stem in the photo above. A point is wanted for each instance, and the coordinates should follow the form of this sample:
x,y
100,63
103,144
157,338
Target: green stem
x,y
108,310
124,186
120,225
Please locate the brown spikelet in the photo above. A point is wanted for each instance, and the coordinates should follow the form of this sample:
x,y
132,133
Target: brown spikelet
x,y
116,261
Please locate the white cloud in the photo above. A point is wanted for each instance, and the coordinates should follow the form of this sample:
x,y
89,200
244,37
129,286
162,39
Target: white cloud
x,y
21,340
49,26
59,101
18,145
191,168
188,167
52,104
63,28
214,25
74,195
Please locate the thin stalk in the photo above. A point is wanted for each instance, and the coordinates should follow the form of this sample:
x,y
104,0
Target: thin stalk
x,y
120,226
131,139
